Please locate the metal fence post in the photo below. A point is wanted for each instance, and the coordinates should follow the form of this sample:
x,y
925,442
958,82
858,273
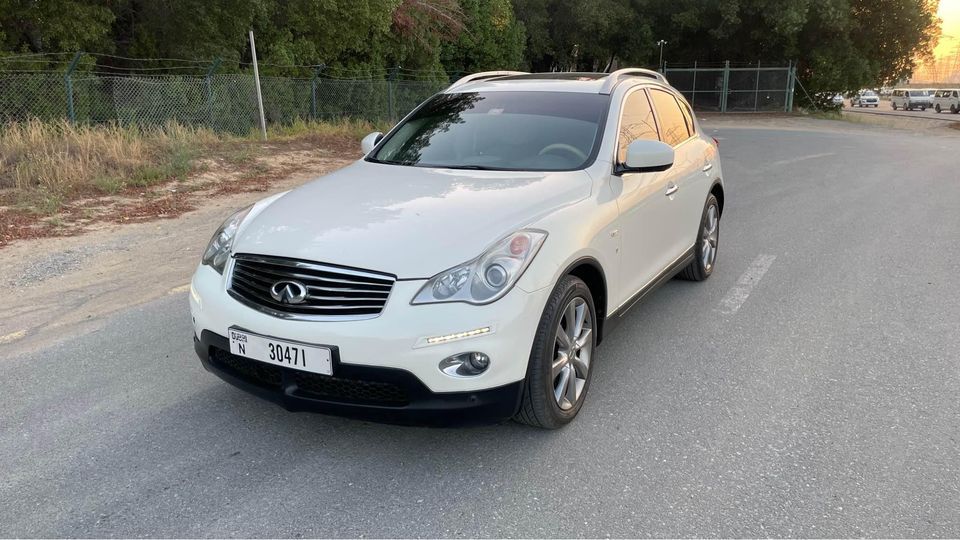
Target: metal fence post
x,y
791,78
390,83
693,87
756,89
209,83
256,80
68,83
313,90
726,86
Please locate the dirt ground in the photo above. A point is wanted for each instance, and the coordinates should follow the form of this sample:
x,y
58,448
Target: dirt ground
x,y
58,286
132,249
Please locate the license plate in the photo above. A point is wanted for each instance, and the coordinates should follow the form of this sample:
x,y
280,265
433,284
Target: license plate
x,y
280,352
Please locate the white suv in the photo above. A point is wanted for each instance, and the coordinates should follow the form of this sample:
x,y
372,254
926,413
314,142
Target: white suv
x,y
947,99
467,267
865,98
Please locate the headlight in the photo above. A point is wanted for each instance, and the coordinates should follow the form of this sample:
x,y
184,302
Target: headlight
x,y
218,250
489,276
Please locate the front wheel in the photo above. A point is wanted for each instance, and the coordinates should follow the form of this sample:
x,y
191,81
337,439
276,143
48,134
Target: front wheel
x,y
705,253
894,105
561,361
937,108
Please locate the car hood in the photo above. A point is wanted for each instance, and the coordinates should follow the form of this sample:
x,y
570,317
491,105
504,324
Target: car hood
x,y
412,222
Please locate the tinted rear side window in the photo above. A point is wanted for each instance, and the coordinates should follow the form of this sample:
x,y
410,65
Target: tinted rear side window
x,y
688,116
672,123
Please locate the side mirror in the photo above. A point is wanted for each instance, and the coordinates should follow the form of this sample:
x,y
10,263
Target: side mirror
x,y
370,141
647,156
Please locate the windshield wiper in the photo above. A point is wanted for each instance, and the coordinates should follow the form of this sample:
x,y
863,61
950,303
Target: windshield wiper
x,y
470,167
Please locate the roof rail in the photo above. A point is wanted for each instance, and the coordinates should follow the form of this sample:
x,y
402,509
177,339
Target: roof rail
x,y
614,78
484,76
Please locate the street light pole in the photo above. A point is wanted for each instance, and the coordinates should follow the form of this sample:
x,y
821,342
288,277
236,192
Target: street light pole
x,y
661,43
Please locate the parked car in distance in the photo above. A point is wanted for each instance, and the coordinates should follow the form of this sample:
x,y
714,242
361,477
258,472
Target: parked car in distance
x,y
467,267
837,100
865,98
947,99
909,99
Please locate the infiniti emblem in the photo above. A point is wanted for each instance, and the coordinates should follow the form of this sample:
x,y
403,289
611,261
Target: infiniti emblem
x,y
289,292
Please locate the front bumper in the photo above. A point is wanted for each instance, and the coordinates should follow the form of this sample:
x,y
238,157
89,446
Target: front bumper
x,y
380,394
391,348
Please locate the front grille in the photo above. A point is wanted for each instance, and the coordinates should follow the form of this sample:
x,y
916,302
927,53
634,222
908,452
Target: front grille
x,y
310,385
333,292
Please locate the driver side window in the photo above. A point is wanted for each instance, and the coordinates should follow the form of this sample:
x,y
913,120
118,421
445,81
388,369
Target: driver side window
x,y
636,122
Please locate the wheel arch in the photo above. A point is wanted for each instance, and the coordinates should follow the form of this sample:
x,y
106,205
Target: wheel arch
x,y
717,191
591,272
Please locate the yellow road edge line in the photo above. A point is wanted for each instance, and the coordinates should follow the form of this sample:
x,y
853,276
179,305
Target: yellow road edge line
x,y
180,289
13,336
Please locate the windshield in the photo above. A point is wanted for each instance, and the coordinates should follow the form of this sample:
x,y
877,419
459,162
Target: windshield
x,y
868,93
533,131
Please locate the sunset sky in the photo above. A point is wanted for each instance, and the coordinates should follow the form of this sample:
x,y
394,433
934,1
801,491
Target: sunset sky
x,y
944,68
950,13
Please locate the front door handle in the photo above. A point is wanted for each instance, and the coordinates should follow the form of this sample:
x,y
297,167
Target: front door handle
x,y
671,189
707,167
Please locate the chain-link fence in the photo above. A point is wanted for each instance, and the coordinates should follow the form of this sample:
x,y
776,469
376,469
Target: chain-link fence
x,y
723,88
227,102
220,102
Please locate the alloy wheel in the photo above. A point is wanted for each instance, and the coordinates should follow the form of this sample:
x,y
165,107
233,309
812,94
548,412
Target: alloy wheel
x,y
709,238
574,349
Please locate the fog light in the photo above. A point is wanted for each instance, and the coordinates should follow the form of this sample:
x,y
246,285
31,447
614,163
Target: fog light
x,y
479,361
467,364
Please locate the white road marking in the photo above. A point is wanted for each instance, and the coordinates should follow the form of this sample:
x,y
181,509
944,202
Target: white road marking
x,y
799,159
737,295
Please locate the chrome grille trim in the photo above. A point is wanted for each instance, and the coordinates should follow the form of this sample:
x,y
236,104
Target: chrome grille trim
x,y
335,293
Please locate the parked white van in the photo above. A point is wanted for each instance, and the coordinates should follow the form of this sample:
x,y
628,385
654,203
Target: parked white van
x,y
947,99
909,99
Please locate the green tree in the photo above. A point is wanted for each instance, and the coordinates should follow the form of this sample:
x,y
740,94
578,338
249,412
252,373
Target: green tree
x,y
491,38
55,26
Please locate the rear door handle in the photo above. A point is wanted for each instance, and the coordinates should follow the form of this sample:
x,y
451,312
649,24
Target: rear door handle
x,y
671,189
707,167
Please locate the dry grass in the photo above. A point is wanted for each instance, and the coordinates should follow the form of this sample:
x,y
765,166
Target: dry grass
x,y
42,165
45,165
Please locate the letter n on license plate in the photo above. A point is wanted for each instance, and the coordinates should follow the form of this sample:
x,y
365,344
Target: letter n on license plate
x,y
279,352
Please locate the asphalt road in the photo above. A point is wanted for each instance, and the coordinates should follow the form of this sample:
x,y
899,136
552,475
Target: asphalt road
x,y
816,398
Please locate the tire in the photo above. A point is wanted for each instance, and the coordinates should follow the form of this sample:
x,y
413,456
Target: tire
x,y
699,268
894,105
937,108
922,108
539,406
954,109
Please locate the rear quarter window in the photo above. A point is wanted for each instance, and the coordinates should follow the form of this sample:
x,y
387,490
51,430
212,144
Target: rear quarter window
x,y
673,125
